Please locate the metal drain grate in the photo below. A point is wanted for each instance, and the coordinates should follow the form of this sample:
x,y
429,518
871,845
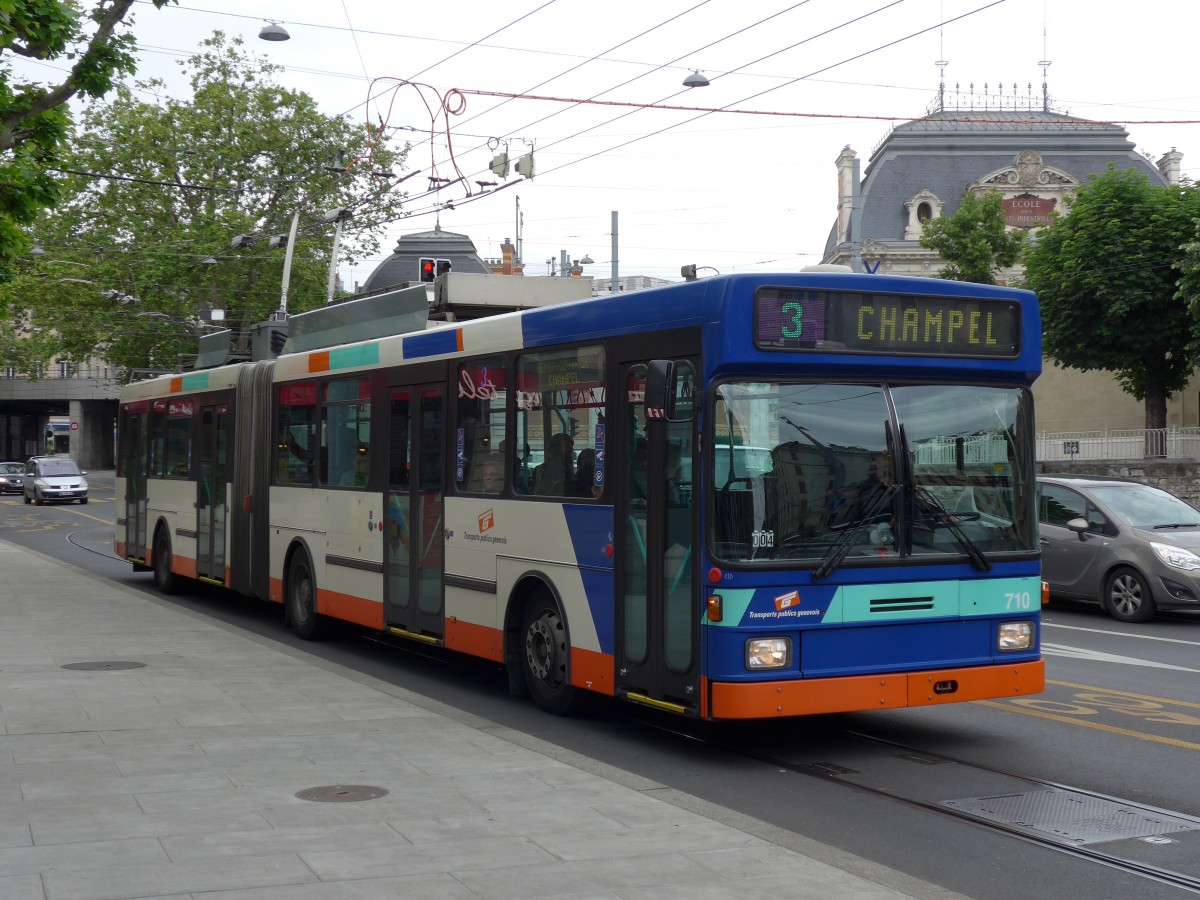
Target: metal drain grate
x,y
111,664
828,769
342,793
1076,818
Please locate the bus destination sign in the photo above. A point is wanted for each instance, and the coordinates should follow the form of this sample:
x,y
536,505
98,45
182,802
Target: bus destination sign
x,y
850,322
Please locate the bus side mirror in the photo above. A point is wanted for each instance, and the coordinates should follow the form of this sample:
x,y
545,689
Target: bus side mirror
x,y
662,390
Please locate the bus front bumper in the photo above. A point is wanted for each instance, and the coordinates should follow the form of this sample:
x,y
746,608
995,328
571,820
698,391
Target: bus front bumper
x,y
804,697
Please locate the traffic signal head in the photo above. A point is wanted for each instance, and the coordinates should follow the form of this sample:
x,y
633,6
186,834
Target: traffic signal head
x,y
428,269
443,266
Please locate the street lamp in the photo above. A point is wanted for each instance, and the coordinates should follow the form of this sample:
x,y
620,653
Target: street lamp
x,y
695,80
273,31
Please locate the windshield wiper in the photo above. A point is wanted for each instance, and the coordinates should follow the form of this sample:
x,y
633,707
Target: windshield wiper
x,y
1179,525
839,550
945,517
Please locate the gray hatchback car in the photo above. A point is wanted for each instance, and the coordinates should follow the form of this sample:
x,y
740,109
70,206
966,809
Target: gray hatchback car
x,y
1130,547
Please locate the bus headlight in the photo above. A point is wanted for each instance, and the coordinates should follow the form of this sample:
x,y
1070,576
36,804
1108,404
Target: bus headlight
x,y
1014,636
768,653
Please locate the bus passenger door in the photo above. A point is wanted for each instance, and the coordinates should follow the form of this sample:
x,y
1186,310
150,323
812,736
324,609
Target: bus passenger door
x,y
658,613
136,464
414,527
212,456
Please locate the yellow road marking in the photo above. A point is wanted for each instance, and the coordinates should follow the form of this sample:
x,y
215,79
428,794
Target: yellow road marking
x,y
79,512
1111,729
1097,726
1100,690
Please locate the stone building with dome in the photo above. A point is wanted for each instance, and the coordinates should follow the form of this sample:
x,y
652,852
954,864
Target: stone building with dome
x,y
1035,158
402,267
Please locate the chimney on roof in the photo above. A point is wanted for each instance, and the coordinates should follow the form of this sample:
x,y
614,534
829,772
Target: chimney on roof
x,y
508,264
1170,164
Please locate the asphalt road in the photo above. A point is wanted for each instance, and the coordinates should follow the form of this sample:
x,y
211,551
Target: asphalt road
x,y
1120,717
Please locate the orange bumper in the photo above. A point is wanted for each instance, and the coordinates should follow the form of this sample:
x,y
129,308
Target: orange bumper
x,y
775,699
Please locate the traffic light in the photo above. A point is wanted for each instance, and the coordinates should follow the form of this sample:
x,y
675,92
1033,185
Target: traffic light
x,y
443,266
428,269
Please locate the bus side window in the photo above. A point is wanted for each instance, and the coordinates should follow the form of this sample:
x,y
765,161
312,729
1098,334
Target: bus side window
x,y
294,446
480,421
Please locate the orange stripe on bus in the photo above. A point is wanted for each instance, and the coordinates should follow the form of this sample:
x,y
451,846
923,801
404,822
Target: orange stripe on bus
x,y
458,338
349,608
592,671
478,640
176,385
318,362
864,692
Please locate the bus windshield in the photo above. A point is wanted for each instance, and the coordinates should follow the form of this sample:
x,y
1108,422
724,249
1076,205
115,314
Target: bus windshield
x,y
862,472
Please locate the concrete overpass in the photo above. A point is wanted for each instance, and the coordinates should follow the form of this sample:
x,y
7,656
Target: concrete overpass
x,y
85,396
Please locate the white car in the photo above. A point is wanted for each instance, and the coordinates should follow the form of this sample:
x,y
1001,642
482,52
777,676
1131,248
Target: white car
x,y
54,479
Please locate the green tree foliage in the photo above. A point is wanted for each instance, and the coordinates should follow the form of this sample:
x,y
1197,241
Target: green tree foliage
x,y
34,122
1106,274
162,187
974,241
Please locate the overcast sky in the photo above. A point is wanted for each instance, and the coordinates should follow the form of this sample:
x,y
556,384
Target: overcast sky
x,y
735,191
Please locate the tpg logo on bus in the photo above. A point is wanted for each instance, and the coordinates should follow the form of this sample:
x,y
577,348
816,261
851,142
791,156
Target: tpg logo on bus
x,y
787,601
486,521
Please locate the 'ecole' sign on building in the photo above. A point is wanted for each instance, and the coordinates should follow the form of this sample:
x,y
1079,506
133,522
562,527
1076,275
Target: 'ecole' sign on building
x,y
1028,211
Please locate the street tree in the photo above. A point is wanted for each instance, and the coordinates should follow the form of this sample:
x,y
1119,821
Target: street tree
x,y
163,186
34,120
1107,278
974,241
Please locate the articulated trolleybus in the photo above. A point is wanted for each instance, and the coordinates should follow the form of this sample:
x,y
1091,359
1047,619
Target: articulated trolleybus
x,y
747,496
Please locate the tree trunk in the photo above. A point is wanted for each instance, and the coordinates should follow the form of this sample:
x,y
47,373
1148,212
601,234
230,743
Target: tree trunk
x,y
1156,420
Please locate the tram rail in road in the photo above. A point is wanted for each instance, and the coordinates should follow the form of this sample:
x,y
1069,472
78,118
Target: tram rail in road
x,y
1135,838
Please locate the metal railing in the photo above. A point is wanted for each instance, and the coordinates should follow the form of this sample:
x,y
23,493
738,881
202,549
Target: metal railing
x,y
1119,443
59,371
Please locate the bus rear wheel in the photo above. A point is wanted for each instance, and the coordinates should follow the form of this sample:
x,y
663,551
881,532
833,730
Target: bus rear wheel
x,y
302,599
544,654
165,580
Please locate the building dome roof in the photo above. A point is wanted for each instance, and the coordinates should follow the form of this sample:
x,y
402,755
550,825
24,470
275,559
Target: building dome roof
x,y
402,266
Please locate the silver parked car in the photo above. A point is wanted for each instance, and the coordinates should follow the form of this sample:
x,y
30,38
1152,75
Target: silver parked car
x,y
1130,547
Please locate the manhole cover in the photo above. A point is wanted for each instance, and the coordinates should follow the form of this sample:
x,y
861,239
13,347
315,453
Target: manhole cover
x,y
342,793
110,664
1074,817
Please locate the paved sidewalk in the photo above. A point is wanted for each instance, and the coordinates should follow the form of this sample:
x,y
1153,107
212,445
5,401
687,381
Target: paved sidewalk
x,y
180,779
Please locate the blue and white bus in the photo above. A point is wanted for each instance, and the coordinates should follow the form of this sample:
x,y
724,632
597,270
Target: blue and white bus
x,y
747,496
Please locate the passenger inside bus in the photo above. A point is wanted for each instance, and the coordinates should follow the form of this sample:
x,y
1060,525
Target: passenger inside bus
x,y
585,474
557,473
491,474
356,476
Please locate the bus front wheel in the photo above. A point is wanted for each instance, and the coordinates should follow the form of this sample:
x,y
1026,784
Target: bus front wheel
x,y
302,598
544,654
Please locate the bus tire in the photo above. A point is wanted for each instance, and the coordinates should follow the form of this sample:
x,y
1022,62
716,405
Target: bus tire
x,y
545,651
165,580
302,598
